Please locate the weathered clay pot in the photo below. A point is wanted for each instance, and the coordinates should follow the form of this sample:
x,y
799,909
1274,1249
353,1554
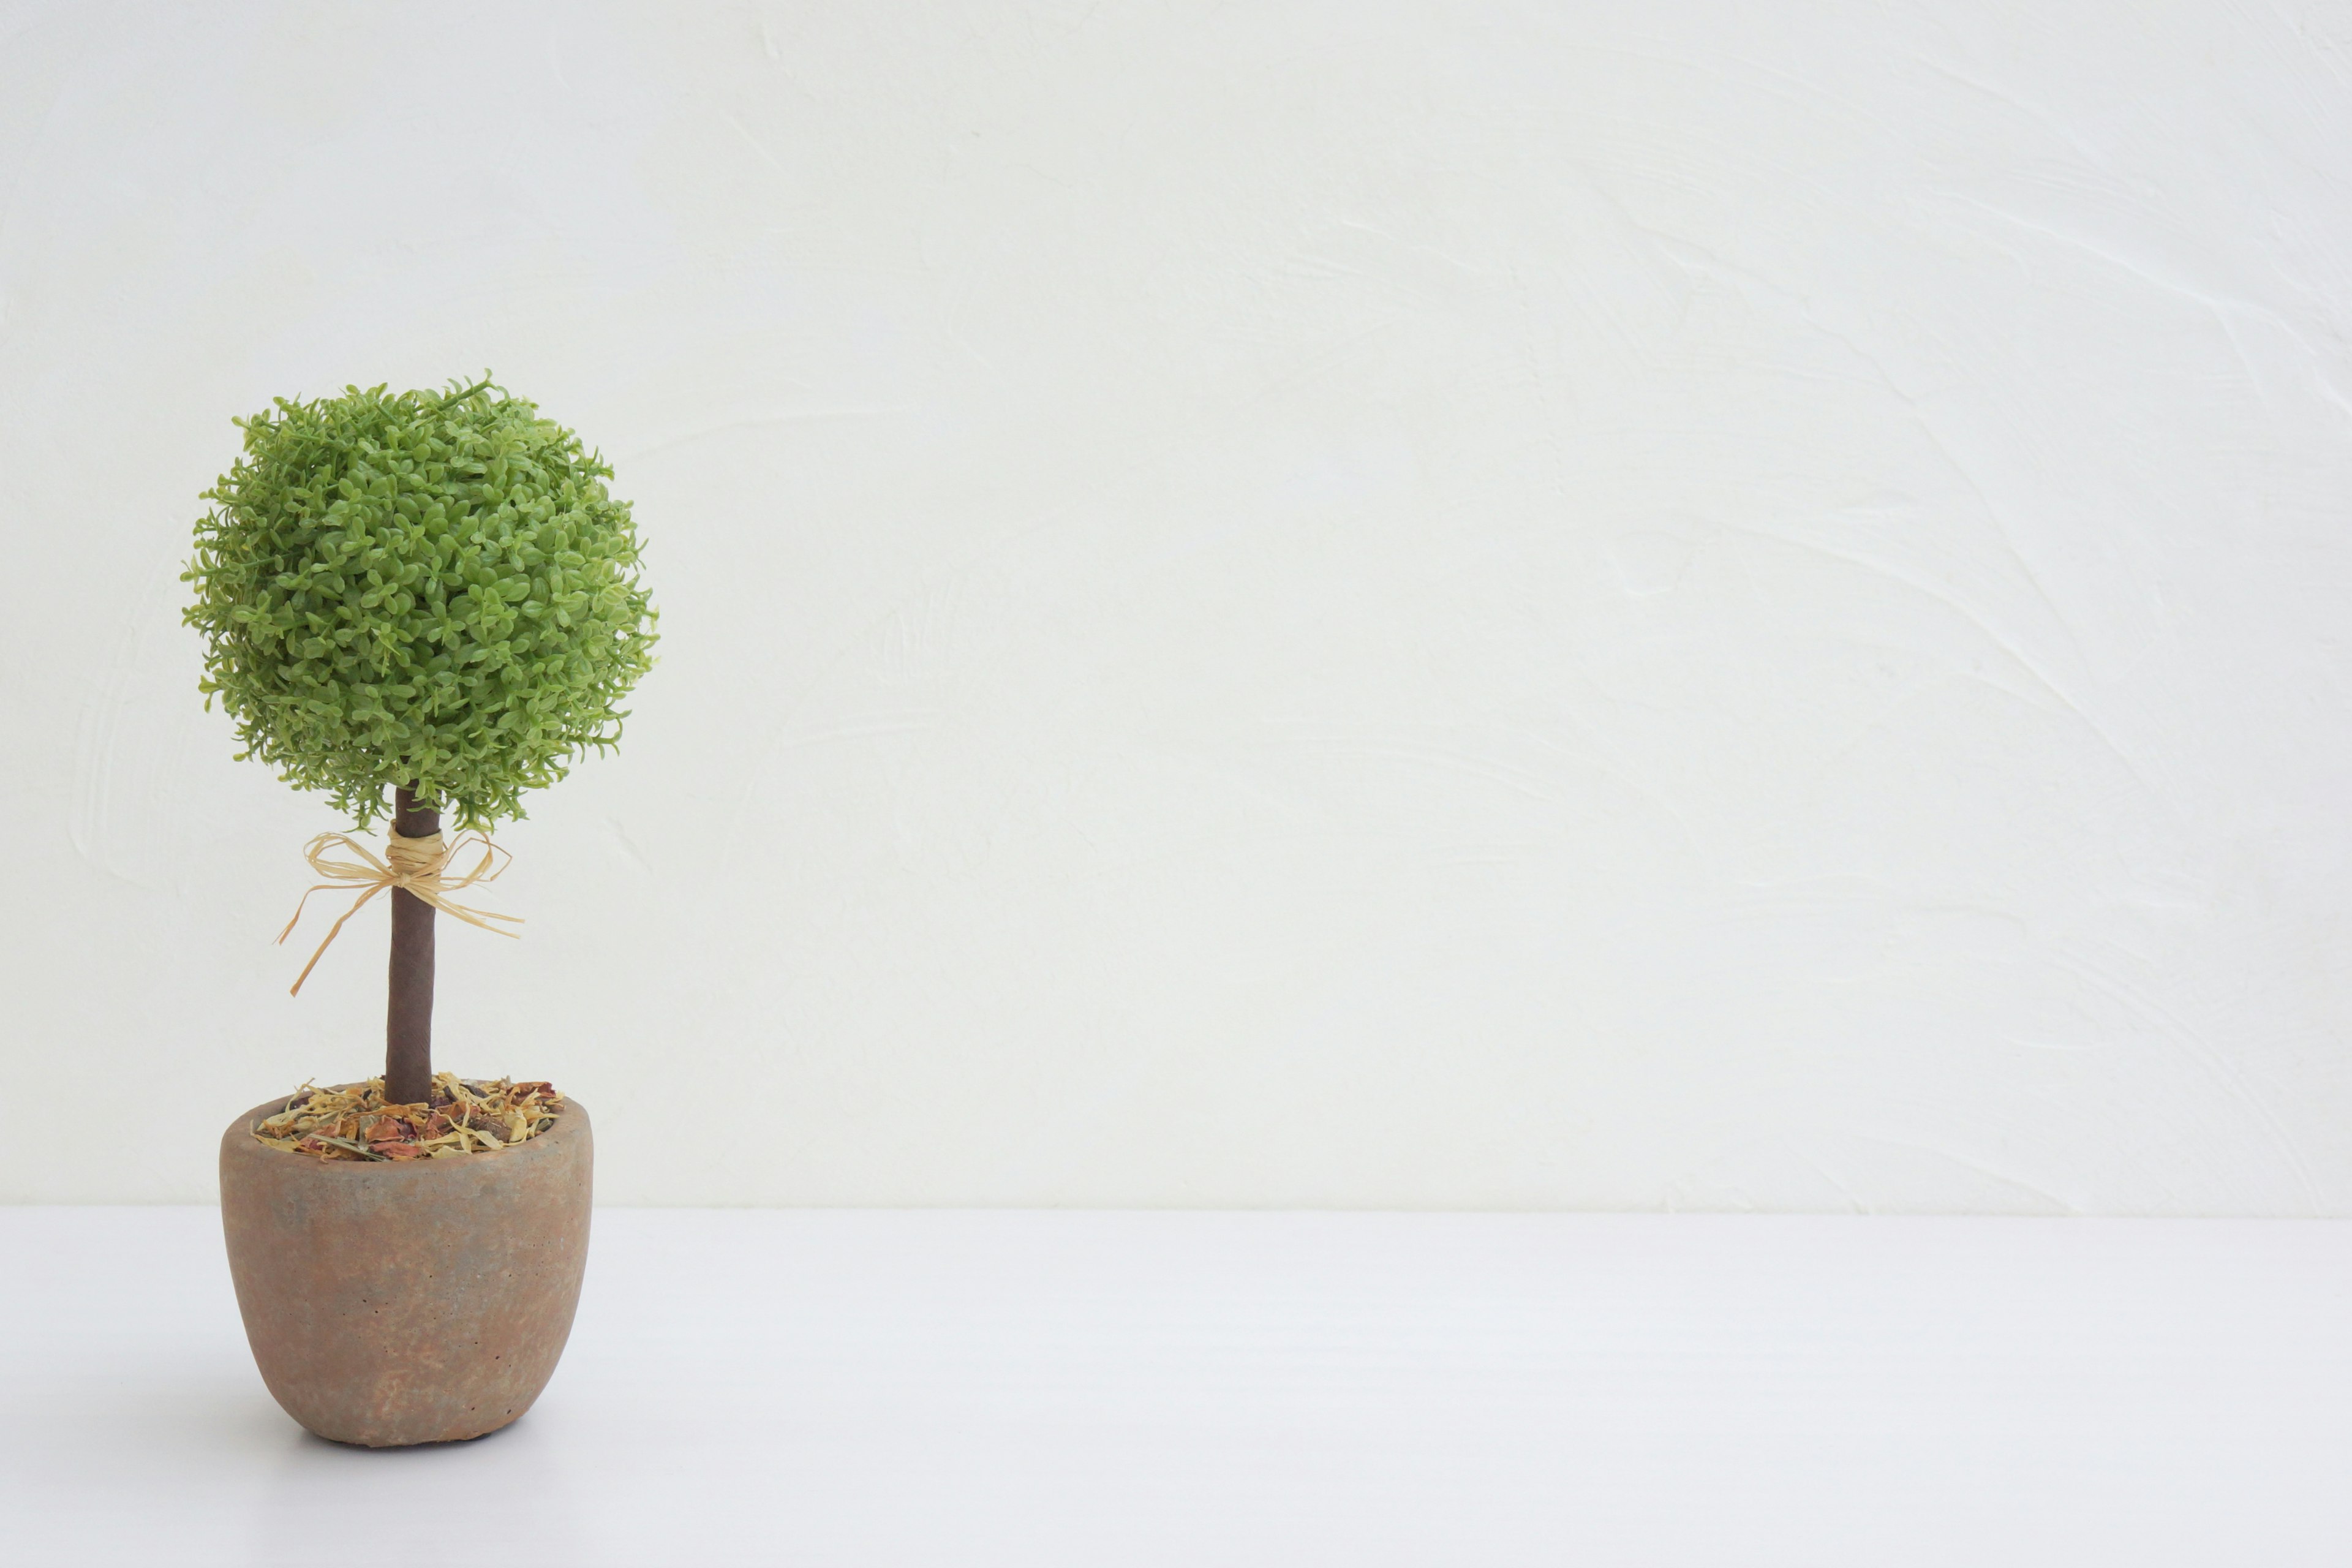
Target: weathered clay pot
x,y
408,1301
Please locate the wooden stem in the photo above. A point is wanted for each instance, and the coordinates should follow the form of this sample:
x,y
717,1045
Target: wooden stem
x,y
408,1017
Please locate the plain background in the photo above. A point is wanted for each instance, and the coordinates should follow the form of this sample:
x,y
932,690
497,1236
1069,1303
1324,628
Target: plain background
x,y
1424,605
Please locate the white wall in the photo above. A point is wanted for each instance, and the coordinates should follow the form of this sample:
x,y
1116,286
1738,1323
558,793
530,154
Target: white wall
x,y
1620,605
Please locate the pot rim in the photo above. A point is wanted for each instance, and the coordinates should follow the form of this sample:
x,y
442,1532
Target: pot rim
x,y
570,1122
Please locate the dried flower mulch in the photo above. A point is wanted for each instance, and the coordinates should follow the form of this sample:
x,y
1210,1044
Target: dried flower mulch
x,y
465,1116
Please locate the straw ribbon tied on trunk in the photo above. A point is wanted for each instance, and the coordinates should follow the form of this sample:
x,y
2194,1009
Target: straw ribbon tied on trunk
x,y
421,866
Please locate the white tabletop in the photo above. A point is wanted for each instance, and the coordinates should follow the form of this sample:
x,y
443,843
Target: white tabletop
x,y
1124,1389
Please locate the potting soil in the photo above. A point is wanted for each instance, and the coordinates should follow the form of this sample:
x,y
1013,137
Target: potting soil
x,y
464,1116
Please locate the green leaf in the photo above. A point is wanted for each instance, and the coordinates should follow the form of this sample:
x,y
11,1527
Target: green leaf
x,y
374,585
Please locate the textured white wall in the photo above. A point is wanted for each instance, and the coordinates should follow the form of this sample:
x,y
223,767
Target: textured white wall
x,y
1622,605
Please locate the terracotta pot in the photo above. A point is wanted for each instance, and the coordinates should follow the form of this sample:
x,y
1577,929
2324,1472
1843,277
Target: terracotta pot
x,y
407,1302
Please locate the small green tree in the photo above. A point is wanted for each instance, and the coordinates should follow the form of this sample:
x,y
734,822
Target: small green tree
x,y
429,596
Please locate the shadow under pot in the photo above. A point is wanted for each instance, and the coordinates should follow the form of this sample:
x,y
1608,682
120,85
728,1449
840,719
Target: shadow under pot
x,y
407,1302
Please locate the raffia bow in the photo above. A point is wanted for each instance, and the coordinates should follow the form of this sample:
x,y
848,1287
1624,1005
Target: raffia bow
x,y
418,865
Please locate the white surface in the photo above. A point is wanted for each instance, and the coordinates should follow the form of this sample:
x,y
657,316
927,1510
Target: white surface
x,y
1037,1389
1600,606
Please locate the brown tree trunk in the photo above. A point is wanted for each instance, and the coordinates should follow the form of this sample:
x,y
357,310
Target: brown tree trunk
x,y
408,1018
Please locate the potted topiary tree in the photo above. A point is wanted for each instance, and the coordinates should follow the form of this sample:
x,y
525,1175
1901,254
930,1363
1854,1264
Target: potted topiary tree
x,y
423,603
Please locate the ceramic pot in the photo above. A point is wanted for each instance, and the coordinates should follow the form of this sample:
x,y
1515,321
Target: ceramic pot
x,y
407,1302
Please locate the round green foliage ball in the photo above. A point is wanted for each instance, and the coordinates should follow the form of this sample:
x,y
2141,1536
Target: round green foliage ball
x,y
419,588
